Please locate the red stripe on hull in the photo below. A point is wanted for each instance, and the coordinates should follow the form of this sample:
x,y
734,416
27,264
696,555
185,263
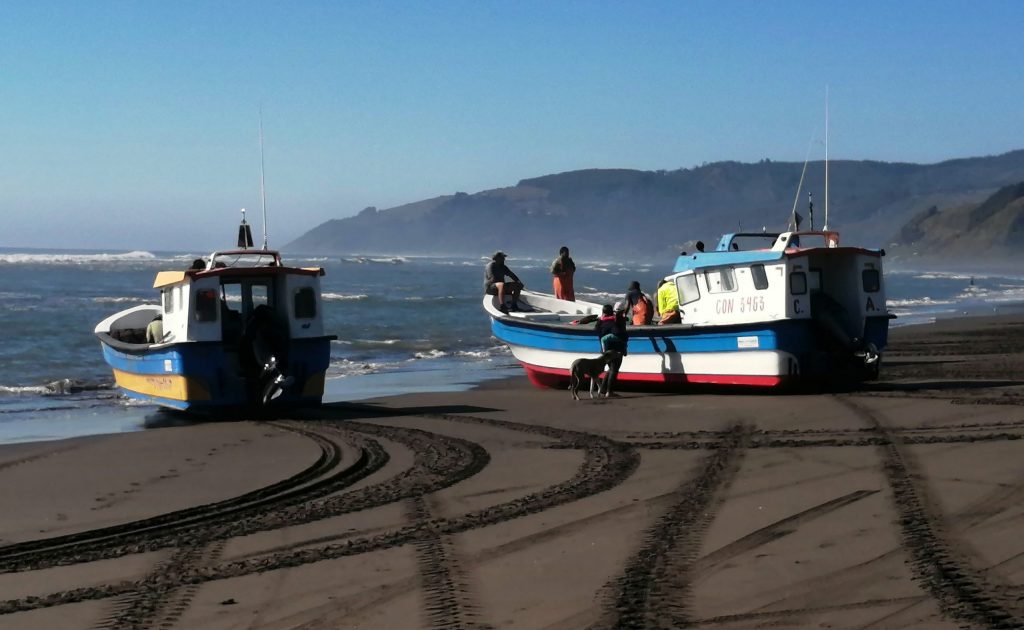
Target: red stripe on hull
x,y
553,377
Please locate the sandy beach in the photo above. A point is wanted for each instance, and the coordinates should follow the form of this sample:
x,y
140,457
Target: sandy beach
x,y
896,505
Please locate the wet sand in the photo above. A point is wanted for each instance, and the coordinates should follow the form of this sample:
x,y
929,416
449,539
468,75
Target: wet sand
x,y
897,505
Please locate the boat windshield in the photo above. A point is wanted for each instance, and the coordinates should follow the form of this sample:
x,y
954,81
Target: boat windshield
x,y
747,241
245,258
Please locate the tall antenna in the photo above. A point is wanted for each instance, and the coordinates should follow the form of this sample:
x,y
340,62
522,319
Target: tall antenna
x,y
262,187
826,157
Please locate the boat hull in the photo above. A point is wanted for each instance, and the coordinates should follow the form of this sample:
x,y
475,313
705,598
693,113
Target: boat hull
x,y
197,376
769,354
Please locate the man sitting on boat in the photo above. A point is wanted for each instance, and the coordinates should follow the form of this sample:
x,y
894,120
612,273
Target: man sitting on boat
x,y
495,284
668,302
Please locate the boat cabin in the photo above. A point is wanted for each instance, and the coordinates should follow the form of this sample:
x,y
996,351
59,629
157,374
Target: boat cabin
x,y
212,300
791,276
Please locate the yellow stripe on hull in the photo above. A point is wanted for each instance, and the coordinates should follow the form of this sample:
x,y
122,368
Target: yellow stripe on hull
x,y
172,386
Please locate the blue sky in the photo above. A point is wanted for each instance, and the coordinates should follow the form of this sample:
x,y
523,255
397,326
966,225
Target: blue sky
x,y
134,125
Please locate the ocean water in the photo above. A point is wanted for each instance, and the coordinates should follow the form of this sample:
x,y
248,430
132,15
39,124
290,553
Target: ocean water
x,y
403,324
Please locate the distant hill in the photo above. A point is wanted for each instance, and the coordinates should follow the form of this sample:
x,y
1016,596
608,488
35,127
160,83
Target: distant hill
x,y
990,230
630,213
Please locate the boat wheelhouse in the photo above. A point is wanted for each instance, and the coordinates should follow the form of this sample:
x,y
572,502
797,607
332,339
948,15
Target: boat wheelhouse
x,y
762,309
239,329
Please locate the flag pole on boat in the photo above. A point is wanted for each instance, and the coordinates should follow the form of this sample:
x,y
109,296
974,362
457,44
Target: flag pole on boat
x,y
244,233
263,191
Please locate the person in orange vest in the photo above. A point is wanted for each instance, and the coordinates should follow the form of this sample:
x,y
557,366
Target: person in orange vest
x,y
563,269
639,307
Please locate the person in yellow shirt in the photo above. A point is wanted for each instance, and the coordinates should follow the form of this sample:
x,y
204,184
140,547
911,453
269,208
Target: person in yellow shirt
x,y
668,303
155,330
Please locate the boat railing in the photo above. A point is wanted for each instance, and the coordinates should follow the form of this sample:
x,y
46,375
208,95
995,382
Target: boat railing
x,y
257,258
806,240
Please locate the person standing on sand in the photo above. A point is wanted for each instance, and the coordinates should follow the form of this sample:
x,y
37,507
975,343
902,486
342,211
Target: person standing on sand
x,y
563,269
611,330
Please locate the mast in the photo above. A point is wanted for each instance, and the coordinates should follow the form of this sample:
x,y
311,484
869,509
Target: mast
x,y
826,157
262,189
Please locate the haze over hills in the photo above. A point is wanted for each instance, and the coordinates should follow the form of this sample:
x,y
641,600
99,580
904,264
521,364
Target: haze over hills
x,y
987,231
631,213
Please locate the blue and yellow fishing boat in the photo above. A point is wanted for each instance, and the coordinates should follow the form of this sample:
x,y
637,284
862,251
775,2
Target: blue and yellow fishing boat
x,y
238,329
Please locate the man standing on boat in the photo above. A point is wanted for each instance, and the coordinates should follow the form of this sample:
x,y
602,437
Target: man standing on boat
x,y
494,282
155,330
668,302
563,269
638,305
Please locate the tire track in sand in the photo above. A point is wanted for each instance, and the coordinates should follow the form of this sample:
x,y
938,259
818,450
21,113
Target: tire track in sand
x,y
653,589
606,464
960,589
445,587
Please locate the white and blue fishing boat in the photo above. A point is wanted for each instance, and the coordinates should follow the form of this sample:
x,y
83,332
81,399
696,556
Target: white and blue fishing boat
x,y
762,309
237,330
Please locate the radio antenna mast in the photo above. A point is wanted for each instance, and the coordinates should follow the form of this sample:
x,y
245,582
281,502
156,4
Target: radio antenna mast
x,y
826,157
262,187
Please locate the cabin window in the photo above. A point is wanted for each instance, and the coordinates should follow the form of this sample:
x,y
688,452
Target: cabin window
x,y
232,296
305,303
168,298
798,283
872,280
720,280
260,295
760,277
687,288
814,279
206,305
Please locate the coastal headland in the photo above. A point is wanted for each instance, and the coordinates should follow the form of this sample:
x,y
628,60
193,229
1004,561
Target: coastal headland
x,y
895,505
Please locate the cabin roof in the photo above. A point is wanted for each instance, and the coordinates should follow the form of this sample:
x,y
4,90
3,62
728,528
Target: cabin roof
x,y
778,245
168,278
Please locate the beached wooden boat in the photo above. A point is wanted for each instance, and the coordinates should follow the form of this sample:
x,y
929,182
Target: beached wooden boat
x,y
762,309
239,329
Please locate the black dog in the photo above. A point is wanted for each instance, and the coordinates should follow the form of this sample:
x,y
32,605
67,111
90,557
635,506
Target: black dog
x,y
592,368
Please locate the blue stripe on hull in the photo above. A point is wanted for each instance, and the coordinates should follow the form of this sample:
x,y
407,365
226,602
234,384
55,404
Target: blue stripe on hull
x,y
789,336
815,354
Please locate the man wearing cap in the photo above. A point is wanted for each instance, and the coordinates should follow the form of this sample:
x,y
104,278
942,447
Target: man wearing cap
x,y
495,284
668,302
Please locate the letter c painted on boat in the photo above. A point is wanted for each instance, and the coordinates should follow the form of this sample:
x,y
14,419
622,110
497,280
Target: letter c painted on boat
x,y
796,307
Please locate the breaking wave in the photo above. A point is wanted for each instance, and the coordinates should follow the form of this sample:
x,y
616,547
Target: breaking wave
x,y
117,300
60,387
361,260
343,296
75,259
